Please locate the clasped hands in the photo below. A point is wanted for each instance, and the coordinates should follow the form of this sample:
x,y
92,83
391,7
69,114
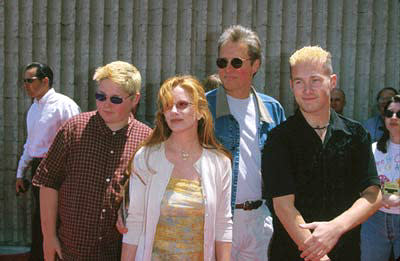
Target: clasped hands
x,y
323,238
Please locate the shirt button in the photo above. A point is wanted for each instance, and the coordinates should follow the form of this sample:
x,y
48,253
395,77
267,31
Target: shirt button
x,y
107,179
103,210
113,133
100,238
112,152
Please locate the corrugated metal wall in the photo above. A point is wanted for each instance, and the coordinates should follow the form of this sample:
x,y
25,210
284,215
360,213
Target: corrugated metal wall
x,y
164,38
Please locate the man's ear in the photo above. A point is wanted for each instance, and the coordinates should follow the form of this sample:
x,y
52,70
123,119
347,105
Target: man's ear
x,y
136,99
255,66
46,81
333,79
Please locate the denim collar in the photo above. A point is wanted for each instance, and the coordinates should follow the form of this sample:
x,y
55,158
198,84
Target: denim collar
x,y
222,107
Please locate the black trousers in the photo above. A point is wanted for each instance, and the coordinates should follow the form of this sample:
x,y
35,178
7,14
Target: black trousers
x,y
37,236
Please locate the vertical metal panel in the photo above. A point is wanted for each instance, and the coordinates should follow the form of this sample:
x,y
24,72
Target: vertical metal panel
x,y
169,39
288,42
184,37
10,112
125,41
39,35
165,38
348,61
140,18
54,48
198,44
363,56
392,56
378,50
67,79
154,50
81,65
273,50
110,41
334,33
96,45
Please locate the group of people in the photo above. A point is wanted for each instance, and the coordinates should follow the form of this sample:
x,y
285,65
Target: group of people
x,y
222,176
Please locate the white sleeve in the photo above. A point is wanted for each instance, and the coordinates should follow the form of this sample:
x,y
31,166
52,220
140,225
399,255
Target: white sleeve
x,y
137,198
71,109
23,163
223,226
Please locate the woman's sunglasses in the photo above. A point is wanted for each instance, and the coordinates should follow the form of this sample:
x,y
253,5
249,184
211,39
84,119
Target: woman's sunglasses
x,y
180,105
389,114
235,62
113,99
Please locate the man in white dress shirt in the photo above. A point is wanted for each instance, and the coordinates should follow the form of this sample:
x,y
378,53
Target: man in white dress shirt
x,y
47,113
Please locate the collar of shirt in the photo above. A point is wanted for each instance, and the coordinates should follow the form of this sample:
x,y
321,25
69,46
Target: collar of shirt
x,y
222,107
46,97
104,129
335,124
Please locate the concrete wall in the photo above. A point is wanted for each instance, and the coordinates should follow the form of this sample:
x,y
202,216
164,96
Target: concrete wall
x,y
164,38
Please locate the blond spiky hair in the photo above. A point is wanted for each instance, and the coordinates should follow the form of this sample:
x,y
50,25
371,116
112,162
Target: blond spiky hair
x,y
312,54
122,73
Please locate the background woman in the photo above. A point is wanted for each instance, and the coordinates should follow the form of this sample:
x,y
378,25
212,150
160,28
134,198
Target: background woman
x,y
180,184
380,234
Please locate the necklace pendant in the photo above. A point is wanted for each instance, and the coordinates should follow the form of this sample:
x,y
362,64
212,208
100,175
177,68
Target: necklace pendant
x,y
184,155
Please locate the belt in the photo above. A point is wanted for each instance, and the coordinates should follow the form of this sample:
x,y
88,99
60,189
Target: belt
x,y
249,205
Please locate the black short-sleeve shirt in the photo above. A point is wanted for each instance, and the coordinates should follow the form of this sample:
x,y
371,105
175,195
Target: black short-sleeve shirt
x,y
326,178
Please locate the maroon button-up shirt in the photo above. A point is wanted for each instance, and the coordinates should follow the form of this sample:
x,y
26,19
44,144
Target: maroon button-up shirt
x,y
86,164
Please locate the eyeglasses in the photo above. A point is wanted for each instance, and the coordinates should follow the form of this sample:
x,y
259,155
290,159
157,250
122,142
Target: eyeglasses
x,y
389,114
235,62
30,80
113,99
180,105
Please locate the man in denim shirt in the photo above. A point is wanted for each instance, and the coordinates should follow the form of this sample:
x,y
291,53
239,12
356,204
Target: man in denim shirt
x,y
242,121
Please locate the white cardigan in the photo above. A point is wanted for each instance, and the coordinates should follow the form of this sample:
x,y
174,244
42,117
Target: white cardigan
x,y
145,199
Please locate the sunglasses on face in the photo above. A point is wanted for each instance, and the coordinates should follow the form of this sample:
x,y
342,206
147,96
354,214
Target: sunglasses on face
x,y
30,80
113,99
235,62
389,114
180,105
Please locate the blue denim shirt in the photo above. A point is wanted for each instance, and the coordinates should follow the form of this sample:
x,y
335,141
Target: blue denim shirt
x,y
227,130
374,126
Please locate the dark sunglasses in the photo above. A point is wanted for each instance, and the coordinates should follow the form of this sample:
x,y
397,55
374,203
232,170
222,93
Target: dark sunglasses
x,y
235,62
113,99
30,80
389,114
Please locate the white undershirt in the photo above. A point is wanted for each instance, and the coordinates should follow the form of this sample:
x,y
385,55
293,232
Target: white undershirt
x,y
43,120
388,167
249,176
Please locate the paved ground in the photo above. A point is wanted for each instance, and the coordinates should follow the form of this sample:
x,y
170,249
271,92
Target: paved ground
x,y
11,253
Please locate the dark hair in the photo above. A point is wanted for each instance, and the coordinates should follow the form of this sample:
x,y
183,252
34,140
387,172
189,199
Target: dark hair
x,y
386,89
239,33
382,142
42,71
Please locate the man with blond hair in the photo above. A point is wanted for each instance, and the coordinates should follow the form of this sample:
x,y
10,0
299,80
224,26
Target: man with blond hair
x,y
81,178
321,177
